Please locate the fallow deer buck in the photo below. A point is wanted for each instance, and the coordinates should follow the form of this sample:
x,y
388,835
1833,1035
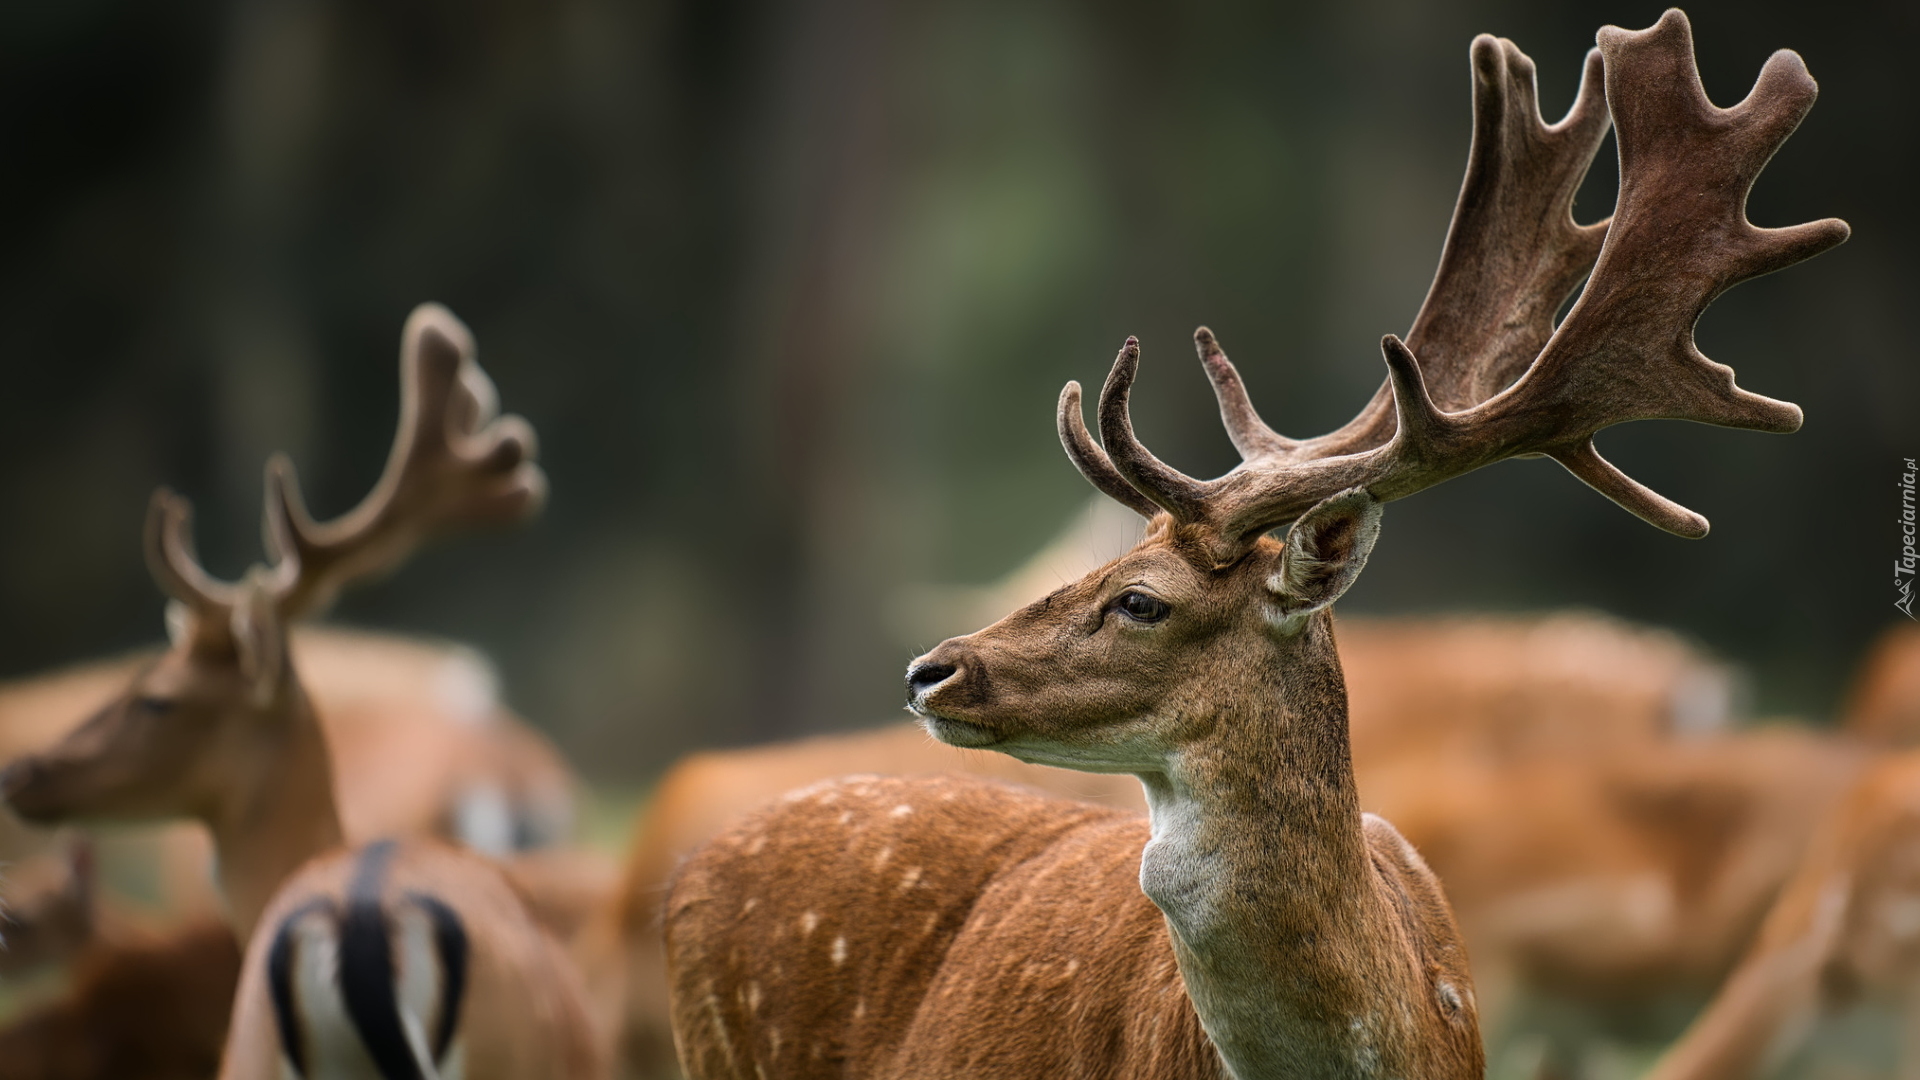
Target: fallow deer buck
x,y
1446,716
396,959
1256,924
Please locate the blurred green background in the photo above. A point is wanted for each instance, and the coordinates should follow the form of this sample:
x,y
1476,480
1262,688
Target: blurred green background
x,y
789,290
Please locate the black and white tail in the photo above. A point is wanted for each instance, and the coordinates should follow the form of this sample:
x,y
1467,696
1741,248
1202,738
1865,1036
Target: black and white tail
x,y
371,989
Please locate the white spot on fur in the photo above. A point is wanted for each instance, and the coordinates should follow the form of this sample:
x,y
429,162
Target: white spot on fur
x,y
860,1009
757,845
911,879
902,810
846,817
808,923
719,1025
885,856
839,951
752,902
753,997
773,1040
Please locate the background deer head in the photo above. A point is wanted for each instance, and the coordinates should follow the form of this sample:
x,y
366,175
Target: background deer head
x,y
222,699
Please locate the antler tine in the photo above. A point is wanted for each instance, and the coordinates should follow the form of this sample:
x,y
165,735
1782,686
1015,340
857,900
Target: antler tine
x,y
1251,436
173,564
1513,252
1091,460
1172,490
454,465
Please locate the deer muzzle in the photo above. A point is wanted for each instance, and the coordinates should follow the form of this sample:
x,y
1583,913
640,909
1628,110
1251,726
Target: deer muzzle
x,y
946,681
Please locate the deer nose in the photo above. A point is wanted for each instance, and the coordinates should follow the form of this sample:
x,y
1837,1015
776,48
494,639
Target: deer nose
x,y
924,675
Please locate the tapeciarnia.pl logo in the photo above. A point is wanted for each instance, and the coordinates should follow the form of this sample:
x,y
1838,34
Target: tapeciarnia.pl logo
x,y
1903,566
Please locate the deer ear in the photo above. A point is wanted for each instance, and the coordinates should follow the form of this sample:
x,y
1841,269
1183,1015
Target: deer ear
x,y
1325,551
259,640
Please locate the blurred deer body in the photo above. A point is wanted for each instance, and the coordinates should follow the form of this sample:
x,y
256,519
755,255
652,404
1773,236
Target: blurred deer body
x,y
139,1004
945,927
1628,876
1884,705
1846,929
219,728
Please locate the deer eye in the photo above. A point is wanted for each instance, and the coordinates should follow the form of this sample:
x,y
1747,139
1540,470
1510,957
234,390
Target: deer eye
x,y
1142,608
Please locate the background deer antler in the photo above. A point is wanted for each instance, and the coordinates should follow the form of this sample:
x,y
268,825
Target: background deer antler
x,y
1679,238
455,464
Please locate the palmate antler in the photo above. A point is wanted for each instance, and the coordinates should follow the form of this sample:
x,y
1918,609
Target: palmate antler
x,y
455,464
1483,375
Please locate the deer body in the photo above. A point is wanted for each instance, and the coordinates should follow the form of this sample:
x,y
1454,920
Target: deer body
x,y
1308,940
428,963
1439,708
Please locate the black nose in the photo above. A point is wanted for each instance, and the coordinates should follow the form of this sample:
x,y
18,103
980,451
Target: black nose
x,y
924,676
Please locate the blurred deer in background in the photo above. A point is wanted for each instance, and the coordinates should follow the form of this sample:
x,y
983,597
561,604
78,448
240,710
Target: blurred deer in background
x,y
139,1004
420,741
47,908
1845,931
399,958
1619,882
949,926
1884,705
420,745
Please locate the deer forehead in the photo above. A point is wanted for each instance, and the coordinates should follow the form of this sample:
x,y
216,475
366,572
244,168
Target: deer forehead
x,y
1178,572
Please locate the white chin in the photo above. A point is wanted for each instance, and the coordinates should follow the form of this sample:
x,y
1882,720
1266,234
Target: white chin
x,y
958,732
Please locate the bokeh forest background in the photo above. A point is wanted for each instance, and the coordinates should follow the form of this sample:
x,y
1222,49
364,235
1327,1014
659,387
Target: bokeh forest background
x,y
788,290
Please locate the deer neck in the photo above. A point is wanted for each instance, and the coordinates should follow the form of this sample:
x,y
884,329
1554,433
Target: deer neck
x,y
278,812
1259,863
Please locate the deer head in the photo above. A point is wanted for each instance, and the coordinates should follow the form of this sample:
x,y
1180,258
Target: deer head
x,y
1153,651
222,699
